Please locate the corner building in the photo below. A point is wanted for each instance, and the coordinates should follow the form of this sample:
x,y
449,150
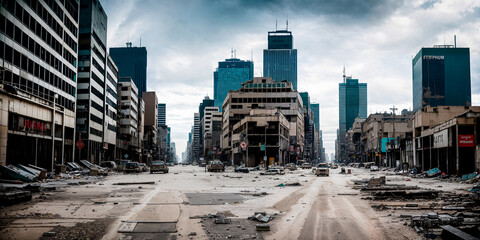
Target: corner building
x,y
38,60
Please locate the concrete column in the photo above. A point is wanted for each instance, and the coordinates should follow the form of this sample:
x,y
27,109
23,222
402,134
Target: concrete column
x,y
3,129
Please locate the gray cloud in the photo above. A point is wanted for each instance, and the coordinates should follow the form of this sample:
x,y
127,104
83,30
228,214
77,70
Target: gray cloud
x,y
375,39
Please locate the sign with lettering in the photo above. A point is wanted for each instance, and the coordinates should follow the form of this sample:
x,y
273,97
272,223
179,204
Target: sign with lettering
x,y
466,140
440,139
33,126
434,57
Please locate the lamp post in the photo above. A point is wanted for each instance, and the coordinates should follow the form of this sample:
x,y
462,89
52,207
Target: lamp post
x,y
55,97
265,148
394,138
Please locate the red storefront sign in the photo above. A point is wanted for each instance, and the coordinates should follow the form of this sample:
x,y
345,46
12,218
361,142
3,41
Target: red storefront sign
x,y
466,140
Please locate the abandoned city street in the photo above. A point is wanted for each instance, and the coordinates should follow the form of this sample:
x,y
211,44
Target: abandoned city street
x,y
189,203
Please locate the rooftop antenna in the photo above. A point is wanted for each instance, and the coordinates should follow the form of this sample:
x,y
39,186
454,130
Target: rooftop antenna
x,y
455,40
251,58
140,42
231,53
344,76
287,22
276,24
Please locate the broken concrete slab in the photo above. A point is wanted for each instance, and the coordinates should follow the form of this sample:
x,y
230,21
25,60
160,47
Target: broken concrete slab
x,y
132,183
213,198
450,232
262,227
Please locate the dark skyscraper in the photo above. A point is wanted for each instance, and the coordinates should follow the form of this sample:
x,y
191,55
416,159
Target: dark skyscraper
x,y
230,75
280,59
162,114
132,62
352,104
441,77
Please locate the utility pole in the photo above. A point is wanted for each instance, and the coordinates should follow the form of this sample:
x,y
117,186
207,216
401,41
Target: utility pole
x,y
394,138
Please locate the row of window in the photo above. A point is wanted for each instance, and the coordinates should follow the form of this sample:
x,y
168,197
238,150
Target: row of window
x,y
35,27
97,93
111,103
96,132
96,119
263,100
97,106
97,65
37,90
28,43
110,78
23,62
71,7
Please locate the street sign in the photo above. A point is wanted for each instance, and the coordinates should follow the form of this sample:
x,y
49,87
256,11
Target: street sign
x,y
243,145
80,144
126,156
262,147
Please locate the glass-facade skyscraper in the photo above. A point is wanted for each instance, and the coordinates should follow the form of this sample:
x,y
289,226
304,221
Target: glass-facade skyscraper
x,y
132,62
316,115
162,114
230,75
352,104
280,59
441,77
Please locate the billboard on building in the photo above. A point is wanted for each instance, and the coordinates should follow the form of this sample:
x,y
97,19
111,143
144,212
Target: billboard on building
x,y
440,139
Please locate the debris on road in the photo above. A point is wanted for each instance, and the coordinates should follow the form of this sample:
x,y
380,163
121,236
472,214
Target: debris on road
x,y
132,183
263,227
262,217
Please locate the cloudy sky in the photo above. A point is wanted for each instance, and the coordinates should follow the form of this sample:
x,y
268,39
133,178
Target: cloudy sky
x,y
374,39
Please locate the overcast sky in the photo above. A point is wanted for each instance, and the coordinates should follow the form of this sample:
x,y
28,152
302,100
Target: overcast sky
x,y
374,39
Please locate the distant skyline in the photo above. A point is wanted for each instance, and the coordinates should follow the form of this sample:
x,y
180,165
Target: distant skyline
x,y
375,40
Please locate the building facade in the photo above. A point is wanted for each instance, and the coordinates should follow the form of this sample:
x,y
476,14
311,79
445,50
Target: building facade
x,y
92,55
38,74
150,127
441,77
162,114
110,113
128,139
264,93
230,75
132,62
280,59
352,104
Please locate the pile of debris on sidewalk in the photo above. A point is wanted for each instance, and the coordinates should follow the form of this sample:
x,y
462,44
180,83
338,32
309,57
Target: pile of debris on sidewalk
x,y
18,182
429,212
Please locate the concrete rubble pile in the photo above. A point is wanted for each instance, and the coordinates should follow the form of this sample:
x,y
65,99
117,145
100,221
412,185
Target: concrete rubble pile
x,y
433,213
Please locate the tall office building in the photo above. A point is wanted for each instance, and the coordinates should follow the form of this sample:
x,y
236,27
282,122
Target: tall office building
x,y
280,59
230,75
38,60
132,62
162,114
92,55
352,104
110,113
441,77
316,115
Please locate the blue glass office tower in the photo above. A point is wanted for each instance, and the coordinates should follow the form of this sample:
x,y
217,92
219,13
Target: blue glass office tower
x,y
132,62
280,59
230,75
352,104
316,115
441,77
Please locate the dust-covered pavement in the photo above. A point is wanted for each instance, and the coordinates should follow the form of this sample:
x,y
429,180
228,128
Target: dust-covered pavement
x,y
176,206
